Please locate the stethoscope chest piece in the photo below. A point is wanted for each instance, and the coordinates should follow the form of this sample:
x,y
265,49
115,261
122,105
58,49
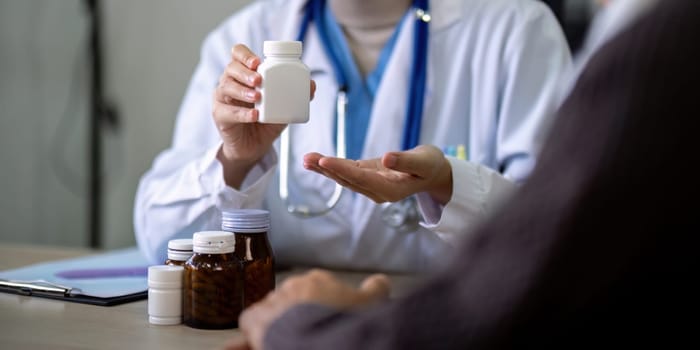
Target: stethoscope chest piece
x,y
403,215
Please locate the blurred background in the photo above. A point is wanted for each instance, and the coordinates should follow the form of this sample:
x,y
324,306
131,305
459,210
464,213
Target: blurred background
x,y
89,91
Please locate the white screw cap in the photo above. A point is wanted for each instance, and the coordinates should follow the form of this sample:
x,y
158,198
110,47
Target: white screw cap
x,y
282,48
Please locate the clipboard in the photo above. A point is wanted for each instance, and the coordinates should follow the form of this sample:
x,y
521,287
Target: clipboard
x,y
105,279
40,289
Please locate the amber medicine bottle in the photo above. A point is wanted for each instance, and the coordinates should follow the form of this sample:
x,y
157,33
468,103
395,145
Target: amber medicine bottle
x,y
213,284
286,84
250,227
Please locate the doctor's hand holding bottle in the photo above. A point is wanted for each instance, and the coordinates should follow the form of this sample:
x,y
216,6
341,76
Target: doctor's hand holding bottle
x,y
245,141
394,176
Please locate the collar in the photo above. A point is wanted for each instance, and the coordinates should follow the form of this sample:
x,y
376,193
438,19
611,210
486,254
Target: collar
x,y
443,12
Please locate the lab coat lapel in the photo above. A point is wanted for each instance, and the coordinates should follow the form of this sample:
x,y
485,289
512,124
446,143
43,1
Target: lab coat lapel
x,y
385,132
443,13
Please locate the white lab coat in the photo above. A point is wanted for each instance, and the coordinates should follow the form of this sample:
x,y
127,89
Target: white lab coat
x,y
490,65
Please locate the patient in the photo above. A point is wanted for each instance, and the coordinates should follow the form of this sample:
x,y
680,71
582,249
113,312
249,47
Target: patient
x,y
597,248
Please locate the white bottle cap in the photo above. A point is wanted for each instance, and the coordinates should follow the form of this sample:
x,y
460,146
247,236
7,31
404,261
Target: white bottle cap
x,y
180,249
165,276
214,242
180,244
282,48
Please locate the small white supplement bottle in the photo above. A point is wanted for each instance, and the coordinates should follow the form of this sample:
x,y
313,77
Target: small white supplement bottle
x,y
165,294
286,84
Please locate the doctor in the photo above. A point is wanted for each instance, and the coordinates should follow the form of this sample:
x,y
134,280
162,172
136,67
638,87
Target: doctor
x,y
471,72
427,173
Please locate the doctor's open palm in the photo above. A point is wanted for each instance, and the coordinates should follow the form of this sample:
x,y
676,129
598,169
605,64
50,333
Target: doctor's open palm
x,y
245,141
392,177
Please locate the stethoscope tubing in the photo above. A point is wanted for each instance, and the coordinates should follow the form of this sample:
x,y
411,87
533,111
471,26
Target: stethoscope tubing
x,y
303,210
413,114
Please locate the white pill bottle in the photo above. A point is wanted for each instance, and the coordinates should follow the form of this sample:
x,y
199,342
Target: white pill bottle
x,y
165,294
286,84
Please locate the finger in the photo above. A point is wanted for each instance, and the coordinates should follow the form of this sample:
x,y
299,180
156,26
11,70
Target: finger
x,y
239,72
376,287
363,177
319,274
313,89
343,165
414,163
235,93
225,115
366,174
348,167
318,170
312,164
312,158
341,181
346,170
251,323
337,177
242,53
366,191
314,168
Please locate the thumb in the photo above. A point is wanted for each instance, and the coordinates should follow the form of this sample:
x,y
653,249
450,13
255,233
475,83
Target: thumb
x,y
405,162
375,287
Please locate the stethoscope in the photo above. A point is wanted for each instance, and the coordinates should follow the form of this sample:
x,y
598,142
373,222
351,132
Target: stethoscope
x,y
402,215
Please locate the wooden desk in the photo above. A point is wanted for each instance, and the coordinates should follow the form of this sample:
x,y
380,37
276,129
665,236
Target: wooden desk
x,y
37,323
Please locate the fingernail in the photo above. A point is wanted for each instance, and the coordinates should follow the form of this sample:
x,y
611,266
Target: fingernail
x,y
253,115
251,95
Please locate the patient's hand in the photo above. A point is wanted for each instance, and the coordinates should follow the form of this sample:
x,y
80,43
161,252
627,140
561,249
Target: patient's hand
x,y
391,178
318,287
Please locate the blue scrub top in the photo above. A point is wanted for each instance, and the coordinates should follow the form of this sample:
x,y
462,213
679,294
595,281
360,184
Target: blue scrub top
x,y
360,91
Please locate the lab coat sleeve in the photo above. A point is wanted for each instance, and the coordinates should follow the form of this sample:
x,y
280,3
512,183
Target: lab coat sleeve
x,y
178,203
535,57
476,191
184,190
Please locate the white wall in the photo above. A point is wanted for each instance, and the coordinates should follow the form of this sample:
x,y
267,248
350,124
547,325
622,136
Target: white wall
x,y
42,122
150,50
